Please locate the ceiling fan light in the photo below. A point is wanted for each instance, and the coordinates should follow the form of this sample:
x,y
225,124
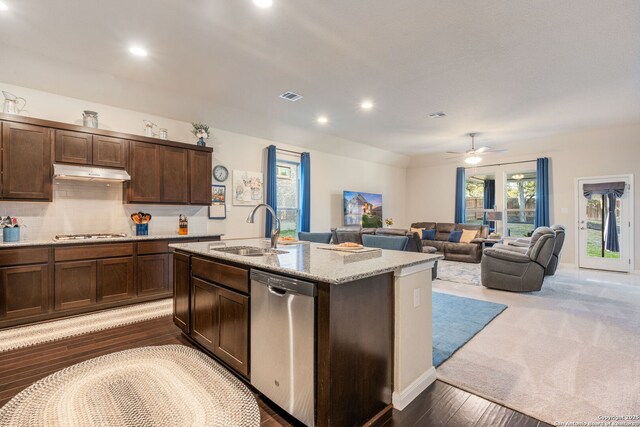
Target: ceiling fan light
x,y
473,160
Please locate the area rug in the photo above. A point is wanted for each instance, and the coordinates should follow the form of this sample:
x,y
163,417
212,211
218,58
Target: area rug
x,y
567,353
459,272
171,385
25,336
456,320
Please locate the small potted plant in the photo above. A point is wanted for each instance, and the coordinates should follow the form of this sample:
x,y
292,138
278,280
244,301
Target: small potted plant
x,y
388,222
202,132
10,229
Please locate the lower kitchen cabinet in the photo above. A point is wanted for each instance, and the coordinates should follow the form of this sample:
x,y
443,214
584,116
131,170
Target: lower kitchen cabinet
x,y
153,274
75,284
181,292
115,279
24,291
220,323
231,340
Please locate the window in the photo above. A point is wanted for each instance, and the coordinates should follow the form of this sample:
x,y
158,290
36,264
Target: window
x,y
474,204
288,182
521,203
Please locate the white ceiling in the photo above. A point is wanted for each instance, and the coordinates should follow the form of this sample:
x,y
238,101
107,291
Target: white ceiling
x,y
508,69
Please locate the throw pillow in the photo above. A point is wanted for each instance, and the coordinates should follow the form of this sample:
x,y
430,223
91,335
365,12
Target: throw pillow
x,y
417,230
455,236
468,236
428,234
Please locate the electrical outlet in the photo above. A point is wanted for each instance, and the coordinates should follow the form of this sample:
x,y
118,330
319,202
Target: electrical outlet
x,y
416,298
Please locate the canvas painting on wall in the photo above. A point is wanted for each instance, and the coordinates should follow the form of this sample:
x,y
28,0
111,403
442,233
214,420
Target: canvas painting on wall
x,y
364,209
247,188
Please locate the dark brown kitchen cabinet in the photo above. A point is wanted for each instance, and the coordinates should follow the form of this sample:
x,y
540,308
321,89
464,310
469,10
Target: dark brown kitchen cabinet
x,y
73,147
181,291
145,171
153,274
203,307
199,177
75,284
109,152
231,323
115,279
24,291
26,162
174,187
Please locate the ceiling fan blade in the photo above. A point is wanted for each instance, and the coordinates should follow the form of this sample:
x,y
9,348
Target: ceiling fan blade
x,y
492,151
456,152
454,157
483,149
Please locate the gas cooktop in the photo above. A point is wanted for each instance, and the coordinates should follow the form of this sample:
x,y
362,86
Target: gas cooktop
x,y
88,236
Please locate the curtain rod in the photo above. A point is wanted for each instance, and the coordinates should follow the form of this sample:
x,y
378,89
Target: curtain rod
x,y
288,151
500,164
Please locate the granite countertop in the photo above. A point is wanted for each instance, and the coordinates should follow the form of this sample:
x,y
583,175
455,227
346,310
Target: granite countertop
x,y
51,241
309,261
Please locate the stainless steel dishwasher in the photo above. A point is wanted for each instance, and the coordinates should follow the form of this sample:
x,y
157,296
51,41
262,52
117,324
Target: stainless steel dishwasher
x,y
282,342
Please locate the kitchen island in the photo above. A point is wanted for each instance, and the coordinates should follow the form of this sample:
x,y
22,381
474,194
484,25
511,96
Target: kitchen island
x,y
369,323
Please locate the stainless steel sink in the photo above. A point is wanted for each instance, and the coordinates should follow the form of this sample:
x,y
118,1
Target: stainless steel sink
x,y
248,251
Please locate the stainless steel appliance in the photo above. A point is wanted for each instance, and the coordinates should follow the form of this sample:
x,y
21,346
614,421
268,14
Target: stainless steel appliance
x,y
89,173
88,236
282,342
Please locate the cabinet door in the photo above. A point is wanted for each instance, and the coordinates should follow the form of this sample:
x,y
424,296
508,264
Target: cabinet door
x,y
231,341
199,178
111,152
153,274
203,304
24,291
75,284
174,172
115,279
73,147
144,168
181,288
26,162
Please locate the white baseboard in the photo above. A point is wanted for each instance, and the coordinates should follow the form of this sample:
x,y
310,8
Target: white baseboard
x,y
401,399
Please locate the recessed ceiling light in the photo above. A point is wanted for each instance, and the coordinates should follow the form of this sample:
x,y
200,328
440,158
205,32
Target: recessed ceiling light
x,y
323,120
3,6
438,115
366,105
138,51
264,4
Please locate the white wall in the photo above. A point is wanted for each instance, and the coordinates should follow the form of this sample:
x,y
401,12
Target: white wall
x,y
591,152
93,207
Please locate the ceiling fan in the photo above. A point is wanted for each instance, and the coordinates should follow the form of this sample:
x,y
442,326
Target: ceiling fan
x,y
472,157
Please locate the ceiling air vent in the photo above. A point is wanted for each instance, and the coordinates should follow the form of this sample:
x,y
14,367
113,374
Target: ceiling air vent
x,y
438,115
290,96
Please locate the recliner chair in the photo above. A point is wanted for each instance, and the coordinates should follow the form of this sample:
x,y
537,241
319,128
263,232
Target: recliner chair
x,y
513,270
522,244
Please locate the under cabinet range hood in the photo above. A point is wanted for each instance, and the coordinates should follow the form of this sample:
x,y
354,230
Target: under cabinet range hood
x,y
89,173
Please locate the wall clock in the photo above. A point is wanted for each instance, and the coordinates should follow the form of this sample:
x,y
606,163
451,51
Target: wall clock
x,y
220,173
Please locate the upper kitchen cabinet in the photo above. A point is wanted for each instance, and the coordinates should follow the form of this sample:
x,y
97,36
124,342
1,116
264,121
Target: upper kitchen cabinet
x,y
174,163
199,177
87,149
26,162
144,168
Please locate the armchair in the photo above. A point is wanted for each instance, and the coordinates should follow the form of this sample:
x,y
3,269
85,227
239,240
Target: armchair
x,y
514,270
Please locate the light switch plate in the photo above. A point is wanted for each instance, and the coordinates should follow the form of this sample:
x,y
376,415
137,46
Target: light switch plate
x,y
416,298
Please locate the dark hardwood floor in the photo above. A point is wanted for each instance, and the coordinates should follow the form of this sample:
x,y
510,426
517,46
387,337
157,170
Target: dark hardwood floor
x,y
439,405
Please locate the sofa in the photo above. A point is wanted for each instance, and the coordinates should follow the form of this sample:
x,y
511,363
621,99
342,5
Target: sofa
x,y
353,233
464,252
518,271
522,245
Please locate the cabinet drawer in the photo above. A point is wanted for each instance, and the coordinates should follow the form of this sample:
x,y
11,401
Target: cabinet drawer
x,y
24,256
157,247
233,277
93,251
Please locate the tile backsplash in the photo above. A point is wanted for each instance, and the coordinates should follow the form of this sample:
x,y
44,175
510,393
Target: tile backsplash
x,y
96,207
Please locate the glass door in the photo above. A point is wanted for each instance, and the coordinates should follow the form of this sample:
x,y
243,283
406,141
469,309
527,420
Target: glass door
x,y
604,223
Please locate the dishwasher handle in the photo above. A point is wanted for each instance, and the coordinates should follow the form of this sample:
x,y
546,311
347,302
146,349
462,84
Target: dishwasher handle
x,y
279,292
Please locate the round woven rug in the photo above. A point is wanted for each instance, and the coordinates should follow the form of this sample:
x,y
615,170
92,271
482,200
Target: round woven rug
x,y
171,385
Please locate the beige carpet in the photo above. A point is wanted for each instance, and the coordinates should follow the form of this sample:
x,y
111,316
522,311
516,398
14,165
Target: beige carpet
x,y
171,385
568,353
24,336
